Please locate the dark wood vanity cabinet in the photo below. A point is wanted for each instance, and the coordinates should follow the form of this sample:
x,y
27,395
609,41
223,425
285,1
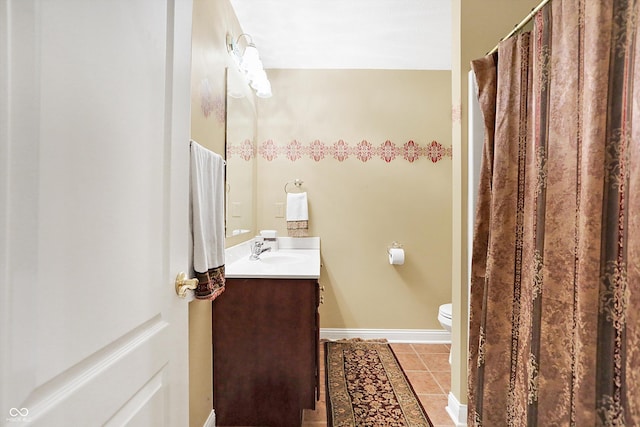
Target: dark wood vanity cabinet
x,y
265,351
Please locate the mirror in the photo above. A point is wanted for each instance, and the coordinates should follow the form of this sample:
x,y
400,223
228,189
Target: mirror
x,y
241,155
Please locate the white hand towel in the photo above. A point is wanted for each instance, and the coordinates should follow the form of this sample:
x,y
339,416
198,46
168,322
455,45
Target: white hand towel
x,y
297,207
207,208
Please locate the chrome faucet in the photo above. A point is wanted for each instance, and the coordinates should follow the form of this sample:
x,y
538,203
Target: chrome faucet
x,y
257,249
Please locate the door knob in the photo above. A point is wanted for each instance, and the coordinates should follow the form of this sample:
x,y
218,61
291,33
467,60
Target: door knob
x,y
183,284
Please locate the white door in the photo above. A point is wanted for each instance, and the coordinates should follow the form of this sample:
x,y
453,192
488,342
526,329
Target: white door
x,y
94,141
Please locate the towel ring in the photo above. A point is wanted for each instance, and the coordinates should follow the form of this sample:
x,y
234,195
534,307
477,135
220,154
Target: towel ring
x,y
297,183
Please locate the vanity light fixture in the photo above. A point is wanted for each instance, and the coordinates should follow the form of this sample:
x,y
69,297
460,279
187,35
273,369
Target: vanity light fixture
x,y
250,65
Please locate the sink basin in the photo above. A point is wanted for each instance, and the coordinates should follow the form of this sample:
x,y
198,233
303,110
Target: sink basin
x,y
280,258
297,258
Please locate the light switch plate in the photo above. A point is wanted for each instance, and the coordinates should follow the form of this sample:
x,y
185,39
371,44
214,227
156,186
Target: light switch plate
x,y
279,210
236,209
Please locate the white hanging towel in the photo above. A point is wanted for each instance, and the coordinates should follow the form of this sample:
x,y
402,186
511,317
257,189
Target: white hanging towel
x,y
297,215
207,219
297,207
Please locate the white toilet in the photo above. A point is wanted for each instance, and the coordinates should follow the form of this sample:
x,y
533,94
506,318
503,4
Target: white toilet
x,y
444,317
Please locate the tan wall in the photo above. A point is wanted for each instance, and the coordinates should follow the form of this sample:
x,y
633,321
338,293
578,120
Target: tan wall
x,y
358,208
477,28
212,19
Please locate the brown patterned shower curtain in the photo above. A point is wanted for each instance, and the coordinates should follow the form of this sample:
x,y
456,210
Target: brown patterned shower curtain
x,y
555,283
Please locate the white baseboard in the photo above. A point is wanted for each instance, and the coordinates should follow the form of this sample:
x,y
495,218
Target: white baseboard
x,y
211,420
457,411
424,336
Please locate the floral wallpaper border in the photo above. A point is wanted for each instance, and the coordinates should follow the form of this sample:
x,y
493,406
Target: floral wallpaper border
x,y
340,151
211,104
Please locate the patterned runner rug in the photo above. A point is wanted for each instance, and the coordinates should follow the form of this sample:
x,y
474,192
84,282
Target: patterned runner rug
x,y
366,387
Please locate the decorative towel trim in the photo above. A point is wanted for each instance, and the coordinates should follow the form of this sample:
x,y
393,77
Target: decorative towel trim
x,y
298,228
210,283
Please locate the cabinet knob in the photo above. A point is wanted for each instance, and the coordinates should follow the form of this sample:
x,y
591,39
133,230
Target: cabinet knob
x,y
322,300
321,288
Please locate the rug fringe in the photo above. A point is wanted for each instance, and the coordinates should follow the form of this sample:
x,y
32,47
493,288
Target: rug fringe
x,y
362,340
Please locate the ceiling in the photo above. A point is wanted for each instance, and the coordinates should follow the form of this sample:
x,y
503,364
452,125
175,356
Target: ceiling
x,y
349,34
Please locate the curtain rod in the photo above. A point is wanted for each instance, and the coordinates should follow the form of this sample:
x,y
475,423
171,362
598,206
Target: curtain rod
x,y
522,23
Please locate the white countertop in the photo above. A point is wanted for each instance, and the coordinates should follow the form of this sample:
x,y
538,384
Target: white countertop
x,y
296,258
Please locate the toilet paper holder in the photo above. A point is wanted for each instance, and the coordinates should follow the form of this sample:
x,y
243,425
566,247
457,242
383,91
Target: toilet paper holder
x,y
394,245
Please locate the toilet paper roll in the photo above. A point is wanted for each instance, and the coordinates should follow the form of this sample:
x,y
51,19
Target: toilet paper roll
x,y
396,256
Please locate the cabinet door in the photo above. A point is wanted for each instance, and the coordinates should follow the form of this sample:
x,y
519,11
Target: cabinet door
x,y
265,351
317,342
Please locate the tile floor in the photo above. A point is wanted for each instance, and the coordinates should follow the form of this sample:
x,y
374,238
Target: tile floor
x,y
428,370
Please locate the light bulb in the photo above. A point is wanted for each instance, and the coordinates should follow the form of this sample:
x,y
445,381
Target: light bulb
x,y
250,58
